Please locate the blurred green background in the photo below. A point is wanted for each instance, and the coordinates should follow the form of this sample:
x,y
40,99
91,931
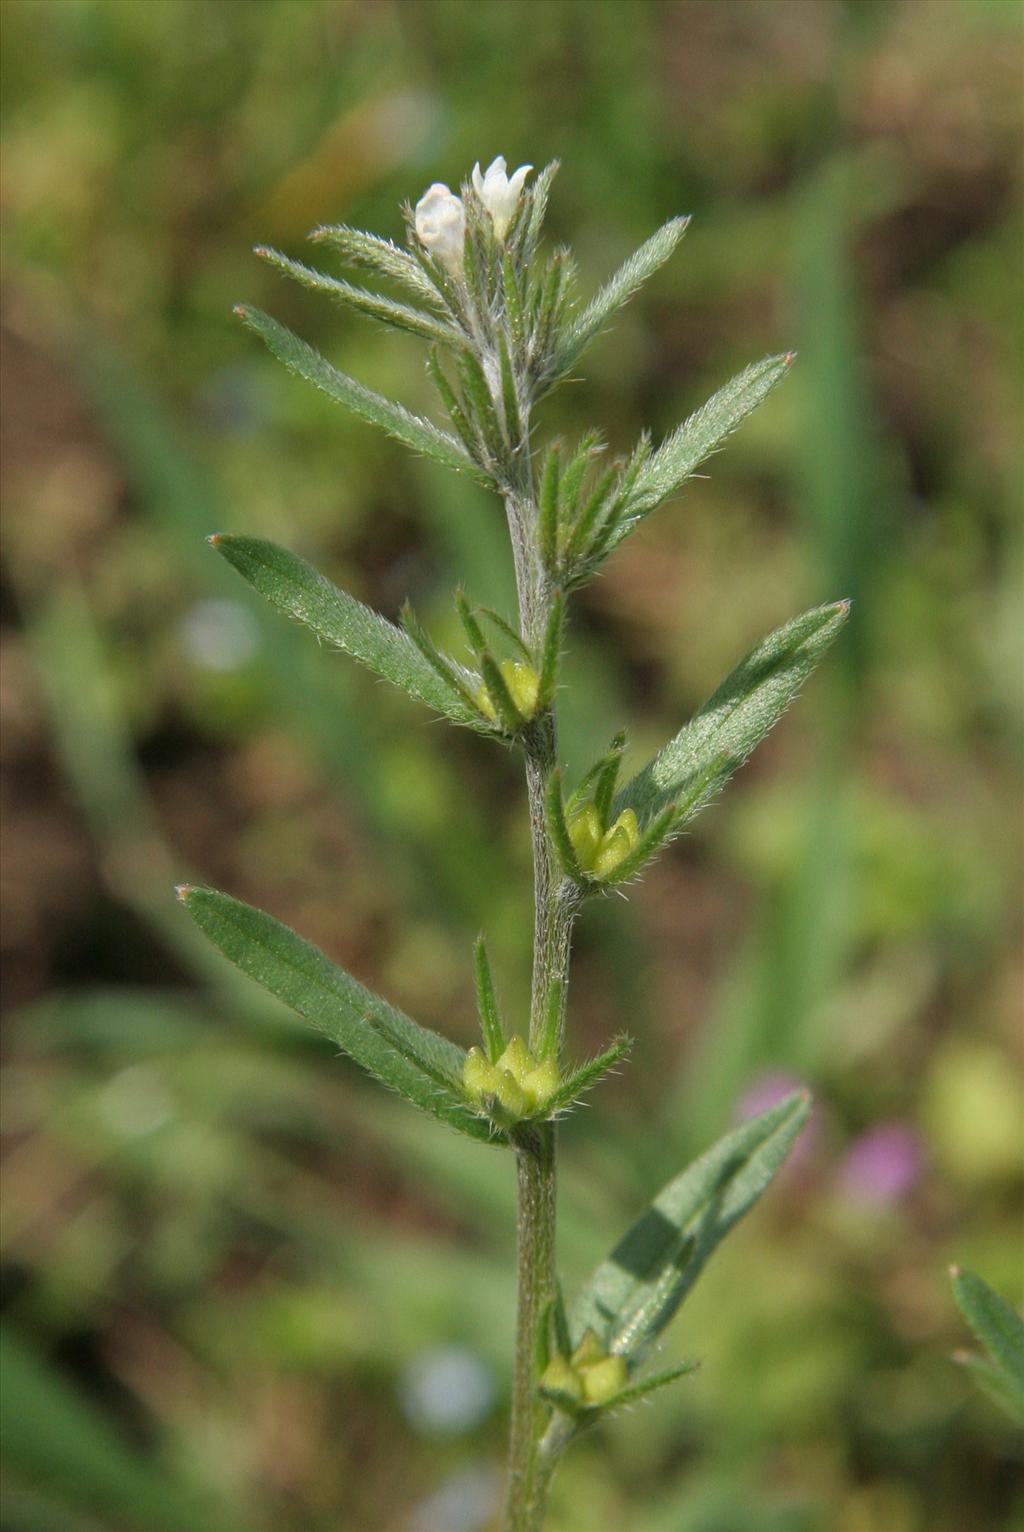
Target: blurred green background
x,y
245,1288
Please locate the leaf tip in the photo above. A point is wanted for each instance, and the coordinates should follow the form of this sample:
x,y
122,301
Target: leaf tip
x,y
955,1272
240,311
214,539
789,358
183,890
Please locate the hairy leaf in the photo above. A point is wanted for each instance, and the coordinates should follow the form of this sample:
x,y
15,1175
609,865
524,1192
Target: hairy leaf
x,y
399,315
747,704
296,588
380,255
634,1293
642,264
1000,1329
388,1044
667,468
419,434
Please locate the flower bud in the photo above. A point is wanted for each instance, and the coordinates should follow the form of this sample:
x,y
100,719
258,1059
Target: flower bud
x,y
585,833
441,225
479,1076
541,1083
617,844
511,1095
523,687
589,1350
560,1378
499,192
604,1380
598,851
516,1058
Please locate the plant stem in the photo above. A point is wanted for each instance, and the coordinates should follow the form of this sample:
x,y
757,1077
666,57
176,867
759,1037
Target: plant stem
x,y
529,1471
536,1287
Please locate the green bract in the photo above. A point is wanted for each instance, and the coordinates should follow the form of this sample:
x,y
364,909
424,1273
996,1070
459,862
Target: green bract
x,y
503,323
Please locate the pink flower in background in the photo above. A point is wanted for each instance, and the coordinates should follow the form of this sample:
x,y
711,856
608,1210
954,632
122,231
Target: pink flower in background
x,y
883,1165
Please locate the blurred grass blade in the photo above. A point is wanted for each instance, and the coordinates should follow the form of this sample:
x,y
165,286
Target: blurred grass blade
x,y
59,1442
419,434
667,468
399,315
299,590
642,264
1000,1329
352,1016
634,1293
750,701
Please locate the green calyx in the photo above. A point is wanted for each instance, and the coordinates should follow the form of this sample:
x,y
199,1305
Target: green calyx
x,y
590,1379
600,852
514,1087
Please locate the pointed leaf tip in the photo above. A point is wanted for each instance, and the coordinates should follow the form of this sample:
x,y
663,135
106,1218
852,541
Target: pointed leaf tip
x,y
182,891
214,539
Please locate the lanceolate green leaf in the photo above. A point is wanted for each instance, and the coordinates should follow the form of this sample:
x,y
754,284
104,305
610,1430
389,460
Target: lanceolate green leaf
x,y
380,255
634,1293
642,264
667,468
399,315
1001,1331
296,588
743,709
419,434
388,1044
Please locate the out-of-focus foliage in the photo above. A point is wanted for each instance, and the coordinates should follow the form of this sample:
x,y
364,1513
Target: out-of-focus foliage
x,y
243,1288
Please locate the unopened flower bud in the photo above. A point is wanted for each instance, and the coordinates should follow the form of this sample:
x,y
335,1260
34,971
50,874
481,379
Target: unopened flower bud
x,y
500,192
479,1076
541,1083
441,225
604,1380
523,687
617,844
511,1095
585,833
516,1058
561,1378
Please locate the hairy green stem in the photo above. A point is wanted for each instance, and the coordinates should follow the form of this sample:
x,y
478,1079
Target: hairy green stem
x,y
527,1483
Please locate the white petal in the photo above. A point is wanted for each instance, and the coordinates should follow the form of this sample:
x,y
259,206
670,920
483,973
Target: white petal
x,y
515,184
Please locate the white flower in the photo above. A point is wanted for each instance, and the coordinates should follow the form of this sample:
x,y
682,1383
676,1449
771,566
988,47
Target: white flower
x,y
498,192
441,225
